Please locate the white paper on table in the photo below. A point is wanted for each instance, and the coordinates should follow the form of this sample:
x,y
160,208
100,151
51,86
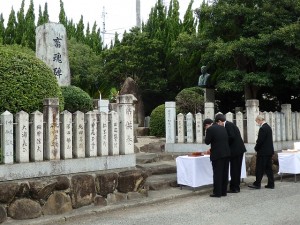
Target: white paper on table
x,y
289,163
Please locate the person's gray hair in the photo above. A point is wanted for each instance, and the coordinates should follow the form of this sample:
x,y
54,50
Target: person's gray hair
x,y
260,118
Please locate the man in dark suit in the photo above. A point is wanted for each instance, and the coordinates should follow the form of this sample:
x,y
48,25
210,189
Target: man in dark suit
x,y
217,137
237,149
265,150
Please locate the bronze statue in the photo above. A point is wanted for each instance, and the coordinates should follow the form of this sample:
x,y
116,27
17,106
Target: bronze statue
x,y
204,78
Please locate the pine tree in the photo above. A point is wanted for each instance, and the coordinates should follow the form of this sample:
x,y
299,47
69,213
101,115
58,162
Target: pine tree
x,y
71,29
116,40
29,35
10,31
172,24
20,28
88,35
95,39
62,15
45,13
2,28
41,18
80,31
156,23
189,22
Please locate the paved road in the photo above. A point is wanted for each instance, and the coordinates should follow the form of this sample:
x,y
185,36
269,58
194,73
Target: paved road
x,y
280,206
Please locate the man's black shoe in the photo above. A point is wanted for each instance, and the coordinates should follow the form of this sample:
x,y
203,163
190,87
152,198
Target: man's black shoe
x,y
215,196
269,186
253,186
233,191
224,194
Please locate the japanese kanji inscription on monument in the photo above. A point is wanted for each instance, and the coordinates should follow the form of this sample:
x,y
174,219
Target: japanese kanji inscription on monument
x,y
51,48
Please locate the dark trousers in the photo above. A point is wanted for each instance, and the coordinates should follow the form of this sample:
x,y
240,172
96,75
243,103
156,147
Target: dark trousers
x,y
264,165
235,172
220,175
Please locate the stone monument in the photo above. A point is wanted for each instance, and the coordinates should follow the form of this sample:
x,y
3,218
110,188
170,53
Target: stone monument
x,y
51,48
130,87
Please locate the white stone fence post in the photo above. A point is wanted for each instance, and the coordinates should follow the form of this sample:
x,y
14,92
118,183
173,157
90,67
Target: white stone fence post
x,y
188,128
55,143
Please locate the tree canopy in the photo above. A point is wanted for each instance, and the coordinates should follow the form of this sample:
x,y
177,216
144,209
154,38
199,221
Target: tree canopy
x,y
252,45
251,49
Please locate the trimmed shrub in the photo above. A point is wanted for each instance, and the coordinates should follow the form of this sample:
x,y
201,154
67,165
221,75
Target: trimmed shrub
x,y
190,100
25,81
76,99
157,121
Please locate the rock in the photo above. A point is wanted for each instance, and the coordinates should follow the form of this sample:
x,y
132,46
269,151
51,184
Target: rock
x,y
41,189
275,159
136,149
155,147
142,131
3,215
135,195
275,167
116,197
63,183
24,209
57,203
100,201
106,183
132,180
130,87
163,181
23,191
8,192
82,190
157,168
253,165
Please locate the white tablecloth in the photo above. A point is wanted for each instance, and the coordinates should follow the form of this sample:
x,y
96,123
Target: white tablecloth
x,y
197,171
289,163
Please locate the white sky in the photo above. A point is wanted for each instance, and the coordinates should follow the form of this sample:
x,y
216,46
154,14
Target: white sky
x,y
120,14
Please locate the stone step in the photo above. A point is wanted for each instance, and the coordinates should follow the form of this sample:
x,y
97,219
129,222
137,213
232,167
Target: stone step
x,y
161,167
142,158
154,147
163,181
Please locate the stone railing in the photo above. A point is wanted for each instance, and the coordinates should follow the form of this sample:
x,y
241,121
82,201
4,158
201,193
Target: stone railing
x,y
54,143
186,133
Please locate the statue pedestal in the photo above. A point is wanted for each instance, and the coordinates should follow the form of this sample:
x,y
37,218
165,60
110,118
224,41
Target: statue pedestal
x,y
209,95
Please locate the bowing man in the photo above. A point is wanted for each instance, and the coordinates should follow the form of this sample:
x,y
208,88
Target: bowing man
x,y
217,137
237,149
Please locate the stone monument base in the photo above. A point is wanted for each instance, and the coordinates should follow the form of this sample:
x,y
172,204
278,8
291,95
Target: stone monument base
x,y
209,95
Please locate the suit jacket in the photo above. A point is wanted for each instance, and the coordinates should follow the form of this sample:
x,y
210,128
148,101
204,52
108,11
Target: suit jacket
x,y
236,143
217,137
264,143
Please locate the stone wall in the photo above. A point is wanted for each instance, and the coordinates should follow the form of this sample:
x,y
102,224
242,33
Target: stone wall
x,y
251,164
33,198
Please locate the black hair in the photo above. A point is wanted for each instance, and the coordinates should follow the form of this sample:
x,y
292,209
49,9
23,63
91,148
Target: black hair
x,y
207,121
220,117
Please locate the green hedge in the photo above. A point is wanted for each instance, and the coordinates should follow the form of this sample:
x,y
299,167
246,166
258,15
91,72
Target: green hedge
x,y
157,121
25,81
190,100
76,99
